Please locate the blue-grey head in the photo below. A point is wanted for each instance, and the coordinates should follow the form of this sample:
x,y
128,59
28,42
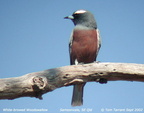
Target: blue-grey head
x,y
83,18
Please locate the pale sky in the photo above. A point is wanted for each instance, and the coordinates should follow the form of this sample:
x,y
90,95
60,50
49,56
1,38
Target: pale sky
x,y
34,37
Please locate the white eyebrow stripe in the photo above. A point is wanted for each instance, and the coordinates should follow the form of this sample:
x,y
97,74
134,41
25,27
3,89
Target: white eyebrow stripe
x,y
80,11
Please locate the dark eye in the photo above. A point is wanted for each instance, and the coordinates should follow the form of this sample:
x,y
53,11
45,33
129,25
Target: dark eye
x,y
75,15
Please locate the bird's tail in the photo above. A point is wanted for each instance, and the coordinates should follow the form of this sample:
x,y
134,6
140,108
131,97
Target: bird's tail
x,y
77,98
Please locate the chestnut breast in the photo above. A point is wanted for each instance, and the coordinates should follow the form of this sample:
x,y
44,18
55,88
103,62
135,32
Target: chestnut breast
x,y
84,46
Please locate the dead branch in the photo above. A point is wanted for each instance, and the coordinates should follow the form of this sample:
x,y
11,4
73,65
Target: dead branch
x,y
37,83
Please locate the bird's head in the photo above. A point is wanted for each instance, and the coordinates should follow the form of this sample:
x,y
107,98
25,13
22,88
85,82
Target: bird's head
x,y
84,18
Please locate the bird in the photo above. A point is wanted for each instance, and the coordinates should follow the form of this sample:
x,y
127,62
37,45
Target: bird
x,y
84,46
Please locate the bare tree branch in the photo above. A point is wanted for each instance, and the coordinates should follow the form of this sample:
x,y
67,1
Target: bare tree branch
x,y
37,83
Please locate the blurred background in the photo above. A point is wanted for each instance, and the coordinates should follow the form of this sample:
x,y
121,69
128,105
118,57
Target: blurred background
x,y
34,37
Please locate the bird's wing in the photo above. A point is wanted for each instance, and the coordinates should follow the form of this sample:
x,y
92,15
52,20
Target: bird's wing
x,y
99,39
70,44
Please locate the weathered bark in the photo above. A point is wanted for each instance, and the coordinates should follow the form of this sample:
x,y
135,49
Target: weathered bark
x,y
37,83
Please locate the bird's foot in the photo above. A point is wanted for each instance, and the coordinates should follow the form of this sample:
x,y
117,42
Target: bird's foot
x,y
97,61
81,63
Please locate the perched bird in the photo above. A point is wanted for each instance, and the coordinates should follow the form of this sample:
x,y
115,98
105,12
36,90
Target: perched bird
x,y
83,46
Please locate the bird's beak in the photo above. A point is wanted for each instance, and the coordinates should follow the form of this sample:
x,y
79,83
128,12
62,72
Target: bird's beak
x,y
69,17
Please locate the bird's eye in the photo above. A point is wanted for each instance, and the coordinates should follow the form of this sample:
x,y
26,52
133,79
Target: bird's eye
x,y
75,14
